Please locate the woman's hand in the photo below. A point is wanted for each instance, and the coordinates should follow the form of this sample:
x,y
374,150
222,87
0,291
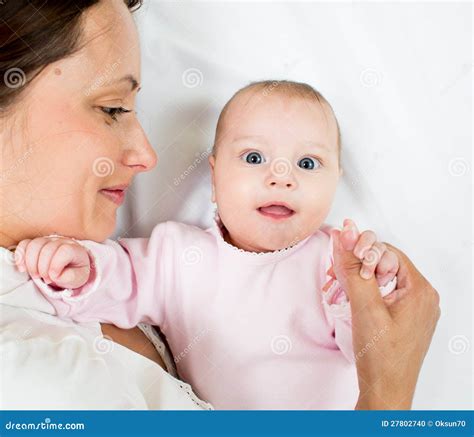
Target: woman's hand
x,y
60,262
376,257
391,335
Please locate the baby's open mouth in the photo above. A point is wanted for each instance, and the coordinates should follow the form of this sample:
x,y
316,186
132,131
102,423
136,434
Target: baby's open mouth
x,y
277,211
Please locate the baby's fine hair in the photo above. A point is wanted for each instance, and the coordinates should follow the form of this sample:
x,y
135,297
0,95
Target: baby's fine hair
x,y
283,87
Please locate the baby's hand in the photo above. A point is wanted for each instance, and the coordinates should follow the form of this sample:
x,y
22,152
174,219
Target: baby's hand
x,y
375,256
60,262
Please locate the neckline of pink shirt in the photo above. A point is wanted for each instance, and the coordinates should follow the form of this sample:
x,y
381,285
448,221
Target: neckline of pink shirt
x,y
252,257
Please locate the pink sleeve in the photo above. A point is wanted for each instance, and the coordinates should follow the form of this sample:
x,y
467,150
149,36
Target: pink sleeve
x,y
337,307
127,286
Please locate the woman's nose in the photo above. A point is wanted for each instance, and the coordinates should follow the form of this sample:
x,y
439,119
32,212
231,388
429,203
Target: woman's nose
x,y
139,154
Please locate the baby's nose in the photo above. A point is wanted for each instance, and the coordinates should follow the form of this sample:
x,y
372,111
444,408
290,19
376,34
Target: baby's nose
x,y
278,183
281,174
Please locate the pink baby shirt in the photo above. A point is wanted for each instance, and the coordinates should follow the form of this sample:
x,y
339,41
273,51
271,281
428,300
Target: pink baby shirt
x,y
247,330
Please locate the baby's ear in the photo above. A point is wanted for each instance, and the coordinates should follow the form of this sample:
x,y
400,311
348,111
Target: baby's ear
x,y
212,162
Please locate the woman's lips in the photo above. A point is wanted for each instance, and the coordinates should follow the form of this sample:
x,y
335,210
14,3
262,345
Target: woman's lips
x,y
114,194
276,211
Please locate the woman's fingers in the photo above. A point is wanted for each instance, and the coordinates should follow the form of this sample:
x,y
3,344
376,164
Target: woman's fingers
x,y
349,234
398,327
411,281
407,272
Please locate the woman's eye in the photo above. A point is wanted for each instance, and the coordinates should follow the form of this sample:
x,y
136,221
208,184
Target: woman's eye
x,y
114,112
308,163
253,158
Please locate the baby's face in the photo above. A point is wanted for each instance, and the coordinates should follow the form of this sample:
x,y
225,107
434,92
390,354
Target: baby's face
x,y
276,170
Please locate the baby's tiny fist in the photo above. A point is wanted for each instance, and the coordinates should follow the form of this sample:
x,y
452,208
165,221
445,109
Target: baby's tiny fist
x,y
387,268
73,277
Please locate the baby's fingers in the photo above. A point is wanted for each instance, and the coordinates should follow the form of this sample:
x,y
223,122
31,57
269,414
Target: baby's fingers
x,y
371,258
70,266
366,240
63,256
32,252
45,256
73,277
387,268
20,251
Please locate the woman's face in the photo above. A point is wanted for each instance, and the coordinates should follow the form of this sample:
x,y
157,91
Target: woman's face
x,y
67,156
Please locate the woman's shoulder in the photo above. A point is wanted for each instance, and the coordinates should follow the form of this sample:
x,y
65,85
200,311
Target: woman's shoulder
x,y
48,364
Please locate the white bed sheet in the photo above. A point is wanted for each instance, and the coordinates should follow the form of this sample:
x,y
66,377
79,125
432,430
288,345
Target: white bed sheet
x,y
399,76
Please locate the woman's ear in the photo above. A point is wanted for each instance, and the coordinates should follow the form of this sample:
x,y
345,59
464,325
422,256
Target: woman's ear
x,y
212,163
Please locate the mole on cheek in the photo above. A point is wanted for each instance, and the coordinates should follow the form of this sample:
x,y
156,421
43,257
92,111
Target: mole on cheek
x,y
58,72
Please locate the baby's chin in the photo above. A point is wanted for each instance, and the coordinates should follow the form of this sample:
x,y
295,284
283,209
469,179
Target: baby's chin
x,y
267,235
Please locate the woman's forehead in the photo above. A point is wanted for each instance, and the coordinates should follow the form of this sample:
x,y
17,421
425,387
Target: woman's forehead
x,y
110,42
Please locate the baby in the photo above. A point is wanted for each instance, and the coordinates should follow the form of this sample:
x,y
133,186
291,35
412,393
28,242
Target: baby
x,y
251,308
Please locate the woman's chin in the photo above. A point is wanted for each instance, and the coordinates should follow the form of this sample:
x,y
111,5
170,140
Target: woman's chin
x,y
102,228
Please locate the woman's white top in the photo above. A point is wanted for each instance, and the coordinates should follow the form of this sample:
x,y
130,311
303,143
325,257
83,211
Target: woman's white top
x,y
49,363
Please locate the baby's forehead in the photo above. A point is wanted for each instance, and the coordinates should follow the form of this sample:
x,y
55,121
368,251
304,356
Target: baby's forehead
x,y
257,101
250,107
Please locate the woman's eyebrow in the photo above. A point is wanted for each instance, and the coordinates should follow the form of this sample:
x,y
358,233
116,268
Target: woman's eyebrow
x,y
131,79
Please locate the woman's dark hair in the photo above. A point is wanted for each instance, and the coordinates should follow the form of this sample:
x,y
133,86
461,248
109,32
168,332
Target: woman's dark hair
x,y
35,33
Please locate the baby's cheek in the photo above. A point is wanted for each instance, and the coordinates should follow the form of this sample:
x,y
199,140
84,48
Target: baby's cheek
x,y
229,204
234,196
318,204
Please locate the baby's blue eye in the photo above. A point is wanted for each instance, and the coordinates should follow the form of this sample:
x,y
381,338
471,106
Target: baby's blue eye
x,y
308,163
253,158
